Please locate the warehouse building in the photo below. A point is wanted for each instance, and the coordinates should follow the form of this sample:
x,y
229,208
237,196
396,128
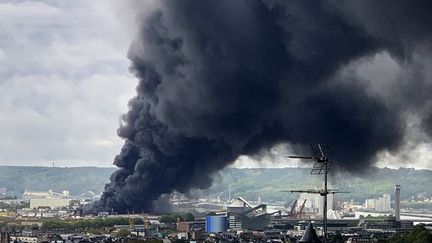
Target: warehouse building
x,y
51,203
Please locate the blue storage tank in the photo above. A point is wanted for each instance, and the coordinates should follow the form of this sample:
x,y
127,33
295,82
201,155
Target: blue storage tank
x,y
216,224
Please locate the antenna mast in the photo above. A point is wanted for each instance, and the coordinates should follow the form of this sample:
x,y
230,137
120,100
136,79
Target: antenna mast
x,y
321,166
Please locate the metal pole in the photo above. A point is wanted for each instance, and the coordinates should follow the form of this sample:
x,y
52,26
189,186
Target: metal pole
x,y
325,203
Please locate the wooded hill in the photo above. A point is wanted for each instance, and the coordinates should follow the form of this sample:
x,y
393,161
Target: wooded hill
x,y
251,184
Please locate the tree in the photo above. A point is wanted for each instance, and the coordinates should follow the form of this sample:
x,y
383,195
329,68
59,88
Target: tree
x,y
189,217
123,233
419,234
338,238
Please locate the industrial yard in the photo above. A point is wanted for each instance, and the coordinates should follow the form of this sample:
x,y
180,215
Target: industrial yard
x,y
60,217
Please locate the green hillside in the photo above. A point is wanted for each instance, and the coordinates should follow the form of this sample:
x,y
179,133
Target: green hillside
x,y
77,179
267,184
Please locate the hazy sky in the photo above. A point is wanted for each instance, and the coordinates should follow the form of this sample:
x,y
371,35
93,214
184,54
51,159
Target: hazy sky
x,y
64,84
64,81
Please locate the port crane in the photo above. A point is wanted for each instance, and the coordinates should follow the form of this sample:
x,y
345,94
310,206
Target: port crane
x,y
300,214
292,212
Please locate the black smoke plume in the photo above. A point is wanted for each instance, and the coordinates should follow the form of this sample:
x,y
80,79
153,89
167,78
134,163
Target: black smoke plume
x,y
220,79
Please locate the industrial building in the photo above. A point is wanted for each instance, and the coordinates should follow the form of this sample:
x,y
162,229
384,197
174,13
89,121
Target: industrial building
x,y
27,195
188,226
242,215
51,203
47,199
216,224
315,203
239,215
380,204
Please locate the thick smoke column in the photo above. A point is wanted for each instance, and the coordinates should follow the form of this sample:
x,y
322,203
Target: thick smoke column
x,y
220,79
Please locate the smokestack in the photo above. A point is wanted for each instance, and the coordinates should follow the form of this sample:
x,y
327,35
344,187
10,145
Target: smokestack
x,y
397,202
222,79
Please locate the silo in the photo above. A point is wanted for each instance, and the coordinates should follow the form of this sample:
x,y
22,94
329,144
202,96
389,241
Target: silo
x,y
397,202
216,224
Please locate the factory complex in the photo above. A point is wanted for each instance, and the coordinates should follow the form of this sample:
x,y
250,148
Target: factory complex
x,y
299,219
52,214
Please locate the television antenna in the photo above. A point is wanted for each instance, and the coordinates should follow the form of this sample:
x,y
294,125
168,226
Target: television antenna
x,y
321,166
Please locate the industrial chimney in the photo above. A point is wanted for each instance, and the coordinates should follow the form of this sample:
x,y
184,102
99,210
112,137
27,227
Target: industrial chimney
x,y
397,202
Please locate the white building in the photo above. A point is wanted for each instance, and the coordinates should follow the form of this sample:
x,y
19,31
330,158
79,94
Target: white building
x,y
44,194
383,204
311,204
29,239
330,199
370,203
380,204
315,202
49,202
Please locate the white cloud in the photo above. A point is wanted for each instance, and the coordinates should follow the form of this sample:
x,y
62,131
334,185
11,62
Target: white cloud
x,y
64,80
